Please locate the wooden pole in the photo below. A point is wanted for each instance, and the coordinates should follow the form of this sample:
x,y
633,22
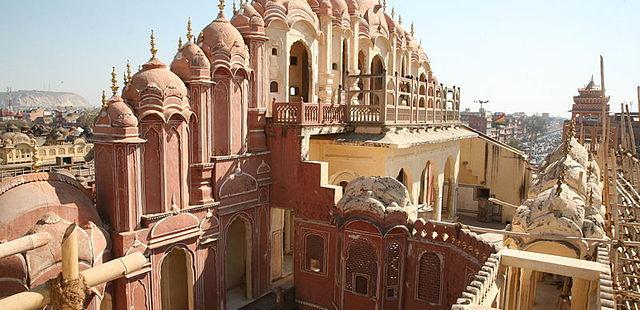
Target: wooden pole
x,y
24,244
39,296
70,253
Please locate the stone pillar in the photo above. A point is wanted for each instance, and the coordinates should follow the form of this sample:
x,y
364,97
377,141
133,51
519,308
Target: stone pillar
x,y
325,70
526,291
354,48
437,207
579,294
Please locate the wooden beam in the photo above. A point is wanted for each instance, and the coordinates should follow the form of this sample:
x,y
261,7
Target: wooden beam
x,y
23,244
553,264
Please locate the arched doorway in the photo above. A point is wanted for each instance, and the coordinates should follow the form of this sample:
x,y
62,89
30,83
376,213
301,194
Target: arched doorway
x,y
425,186
377,69
176,280
238,263
299,73
345,63
447,189
360,81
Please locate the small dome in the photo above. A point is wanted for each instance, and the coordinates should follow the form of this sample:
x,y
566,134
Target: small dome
x,y
26,198
383,200
365,5
164,88
341,13
15,138
377,21
272,11
120,114
300,10
188,58
248,20
221,35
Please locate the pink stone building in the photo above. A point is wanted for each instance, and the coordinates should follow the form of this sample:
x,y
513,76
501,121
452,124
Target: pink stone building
x,y
203,166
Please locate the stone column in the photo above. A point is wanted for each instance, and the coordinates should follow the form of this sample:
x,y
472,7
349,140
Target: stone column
x,y
325,70
354,48
579,294
437,207
526,291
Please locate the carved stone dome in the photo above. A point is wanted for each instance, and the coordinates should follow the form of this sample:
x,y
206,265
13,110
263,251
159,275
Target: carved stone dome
x,y
189,58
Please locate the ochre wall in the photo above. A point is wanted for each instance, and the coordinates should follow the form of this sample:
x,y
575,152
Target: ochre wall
x,y
487,164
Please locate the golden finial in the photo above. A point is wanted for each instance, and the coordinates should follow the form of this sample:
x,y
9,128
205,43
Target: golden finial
x,y
128,72
189,34
104,99
153,48
179,42
221,8
114,81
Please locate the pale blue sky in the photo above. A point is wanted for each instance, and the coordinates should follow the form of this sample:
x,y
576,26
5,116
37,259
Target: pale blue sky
x,y
526,56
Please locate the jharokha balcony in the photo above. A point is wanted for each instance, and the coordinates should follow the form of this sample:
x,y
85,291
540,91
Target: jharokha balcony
x,y
405,101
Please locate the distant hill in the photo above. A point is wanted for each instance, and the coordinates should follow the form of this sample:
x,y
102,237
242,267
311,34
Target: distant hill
x,y
39,98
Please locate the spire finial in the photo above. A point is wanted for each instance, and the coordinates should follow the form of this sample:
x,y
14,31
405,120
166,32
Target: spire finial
x,y
189,33
114,81
153,49
413,29
104,99
400,19
234,8
393,12
179,42
384,5
221,8
128,71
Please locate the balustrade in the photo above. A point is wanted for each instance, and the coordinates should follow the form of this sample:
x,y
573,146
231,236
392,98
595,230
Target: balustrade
x,y
388,100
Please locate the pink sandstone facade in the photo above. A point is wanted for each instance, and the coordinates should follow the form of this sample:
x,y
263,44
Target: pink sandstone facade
x,y
194,160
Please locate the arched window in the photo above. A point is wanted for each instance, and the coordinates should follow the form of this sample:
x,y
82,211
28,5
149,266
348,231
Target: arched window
x,y
361,268
402,177
314,253
429,281
274,51
343,184
273,87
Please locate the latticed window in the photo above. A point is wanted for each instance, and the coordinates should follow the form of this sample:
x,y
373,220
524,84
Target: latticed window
x,y
362,268
429,278
393,270
314,253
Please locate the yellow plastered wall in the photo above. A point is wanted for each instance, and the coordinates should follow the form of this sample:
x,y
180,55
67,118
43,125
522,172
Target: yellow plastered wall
x,y
486,164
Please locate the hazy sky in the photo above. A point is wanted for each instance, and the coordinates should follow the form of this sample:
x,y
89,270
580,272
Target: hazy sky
x,y
526,56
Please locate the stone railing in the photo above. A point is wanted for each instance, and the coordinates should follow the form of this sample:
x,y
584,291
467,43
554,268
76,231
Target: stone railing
x,y
455,235
383,100
483,289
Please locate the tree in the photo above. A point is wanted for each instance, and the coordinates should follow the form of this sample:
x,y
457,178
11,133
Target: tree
x,y
88,117
514,143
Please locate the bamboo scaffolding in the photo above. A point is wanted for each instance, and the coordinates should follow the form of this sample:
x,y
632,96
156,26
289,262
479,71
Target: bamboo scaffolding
x,y
41,296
